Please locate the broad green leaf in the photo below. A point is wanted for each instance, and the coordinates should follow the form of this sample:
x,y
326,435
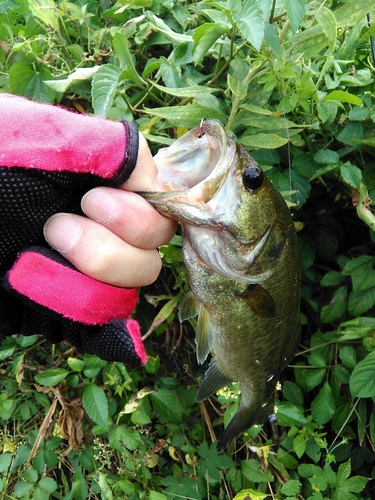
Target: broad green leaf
x,y
309,378
5,461
121,436
251,22
167,404
348,356
48,484
291,488
6,353
337,306
95,403
105,488
204,37
296,11
212,463
292,393
351,174
78,75
323,406
326,156
343,96
46,11
181,488
332,278
120,44
187,116
193,91
362,379
155,495
160,25
357,328
266,141
79,486
31,475
238,87
289,414
361,302
22,488
351,13
327,21
51,377
104,86
252,470
309,43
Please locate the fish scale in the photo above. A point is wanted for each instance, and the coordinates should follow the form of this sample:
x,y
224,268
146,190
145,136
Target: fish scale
x,y
241,255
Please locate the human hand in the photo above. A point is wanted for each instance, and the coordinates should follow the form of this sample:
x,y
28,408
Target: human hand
x,y
117,242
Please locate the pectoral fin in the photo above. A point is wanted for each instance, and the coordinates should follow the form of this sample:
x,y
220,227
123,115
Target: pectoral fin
x,y
188,307
203,337
259,300
214,380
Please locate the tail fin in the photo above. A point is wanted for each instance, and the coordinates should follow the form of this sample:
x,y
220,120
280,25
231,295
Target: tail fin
x,y
243,419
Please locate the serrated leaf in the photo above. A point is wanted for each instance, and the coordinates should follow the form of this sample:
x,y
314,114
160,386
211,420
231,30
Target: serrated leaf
x,y
336,307
22,488
121,436
361,302
289,414
48,484
362,379
51,377
296,11
167,404
326,156
104,86
95,403
323,406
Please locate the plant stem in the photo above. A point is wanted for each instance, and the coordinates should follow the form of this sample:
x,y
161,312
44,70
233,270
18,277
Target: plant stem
x,y
237,100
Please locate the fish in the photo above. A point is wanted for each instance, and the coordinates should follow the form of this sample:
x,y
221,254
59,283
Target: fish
x,y
243,267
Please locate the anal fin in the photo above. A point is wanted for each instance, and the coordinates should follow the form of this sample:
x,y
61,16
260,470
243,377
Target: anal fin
x,y
214,380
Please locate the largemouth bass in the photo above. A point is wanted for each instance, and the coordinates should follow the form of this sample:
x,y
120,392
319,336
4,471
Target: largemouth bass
x,y
242,260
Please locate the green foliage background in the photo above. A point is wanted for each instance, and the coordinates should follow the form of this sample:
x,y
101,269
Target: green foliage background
x,y
294,80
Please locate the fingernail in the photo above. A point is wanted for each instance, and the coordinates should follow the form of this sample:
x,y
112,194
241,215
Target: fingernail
x,y
99,205
62,231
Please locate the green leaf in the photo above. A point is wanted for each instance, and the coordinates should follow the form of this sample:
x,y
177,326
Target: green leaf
x,y
343,96
351,174
323,406
266,141
46,11
351,13
326,156
121,436
187,116
79,486
78,75
121,46
252,494
361,302
212,463
204,37
104,86
5,461
167,404
96,404
182,487
250,22
22,488
291,488
251,469
289,414
296,11
51,377
337,306
193,91
48,484
362,379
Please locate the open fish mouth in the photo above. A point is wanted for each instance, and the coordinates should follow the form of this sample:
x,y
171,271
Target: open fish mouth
x,y
199,156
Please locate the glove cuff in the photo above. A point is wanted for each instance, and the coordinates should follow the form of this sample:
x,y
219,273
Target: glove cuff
x,y
130,155
43,277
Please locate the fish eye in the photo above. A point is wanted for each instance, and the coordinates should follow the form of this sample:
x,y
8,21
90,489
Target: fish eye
x,y
253,177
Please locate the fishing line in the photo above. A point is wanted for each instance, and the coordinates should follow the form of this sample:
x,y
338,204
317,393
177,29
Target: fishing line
x,y
372,43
